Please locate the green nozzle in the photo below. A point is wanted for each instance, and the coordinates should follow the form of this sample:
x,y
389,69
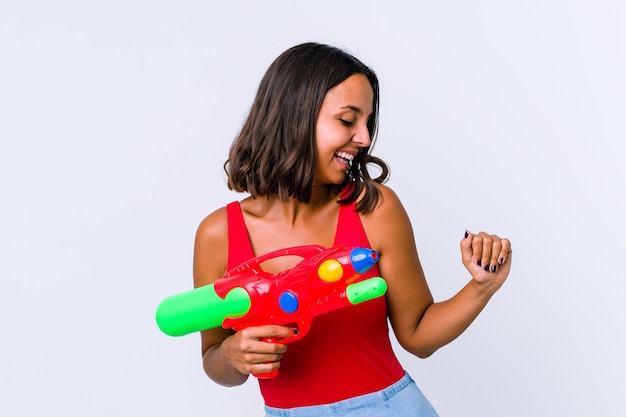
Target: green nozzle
x,y
366,290
200,309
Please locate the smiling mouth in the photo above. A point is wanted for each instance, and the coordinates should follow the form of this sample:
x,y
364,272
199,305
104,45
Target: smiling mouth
x,y
345,157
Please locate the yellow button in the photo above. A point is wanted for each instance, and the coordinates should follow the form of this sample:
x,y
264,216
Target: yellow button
x,y
330,271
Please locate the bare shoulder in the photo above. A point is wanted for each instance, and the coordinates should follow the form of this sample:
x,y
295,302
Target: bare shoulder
x,y
214,227
388,221
388,204
211,248
389,198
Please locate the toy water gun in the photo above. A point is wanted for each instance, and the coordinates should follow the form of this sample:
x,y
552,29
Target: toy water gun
x,y
325,280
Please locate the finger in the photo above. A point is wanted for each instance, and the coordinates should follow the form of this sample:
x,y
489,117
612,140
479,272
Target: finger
x,y
496,248
477,250
256,350
264,369
466,247
261,358
485,255
270,332
505,251
259,363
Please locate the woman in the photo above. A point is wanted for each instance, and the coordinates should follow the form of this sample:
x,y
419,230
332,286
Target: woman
x,y
302,155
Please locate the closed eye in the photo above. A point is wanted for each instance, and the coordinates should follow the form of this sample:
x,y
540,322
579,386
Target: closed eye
x,y
346,123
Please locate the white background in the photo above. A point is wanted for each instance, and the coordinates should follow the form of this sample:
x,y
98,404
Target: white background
x,y
116,118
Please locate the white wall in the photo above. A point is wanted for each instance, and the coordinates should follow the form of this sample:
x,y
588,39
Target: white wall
x,y
116,117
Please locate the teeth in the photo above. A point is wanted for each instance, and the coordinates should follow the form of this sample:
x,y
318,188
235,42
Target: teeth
x,y
345,155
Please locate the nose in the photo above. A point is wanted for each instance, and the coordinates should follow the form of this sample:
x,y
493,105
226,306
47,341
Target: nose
x,y
362,137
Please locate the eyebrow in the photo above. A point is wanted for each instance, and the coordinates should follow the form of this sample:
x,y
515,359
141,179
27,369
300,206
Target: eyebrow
x,y
353,108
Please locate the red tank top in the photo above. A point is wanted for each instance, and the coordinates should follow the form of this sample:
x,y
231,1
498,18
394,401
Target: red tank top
x,y
347,351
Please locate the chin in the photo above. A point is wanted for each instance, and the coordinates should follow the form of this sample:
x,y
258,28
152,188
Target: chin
x,y
340,181
333,181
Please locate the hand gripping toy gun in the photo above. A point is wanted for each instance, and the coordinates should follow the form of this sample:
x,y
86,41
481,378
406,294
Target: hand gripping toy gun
x,y
325,280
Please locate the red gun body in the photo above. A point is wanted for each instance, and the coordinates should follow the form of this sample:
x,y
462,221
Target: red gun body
x,y
316,285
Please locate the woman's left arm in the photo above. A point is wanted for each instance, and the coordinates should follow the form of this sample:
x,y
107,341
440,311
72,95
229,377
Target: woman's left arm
x,y
421,325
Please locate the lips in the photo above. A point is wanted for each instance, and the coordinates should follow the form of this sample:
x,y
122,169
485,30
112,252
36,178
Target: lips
x,y
345,158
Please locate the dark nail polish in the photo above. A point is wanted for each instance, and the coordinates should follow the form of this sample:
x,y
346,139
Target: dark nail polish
x,y
487,267
479,262
466,234
501,261
493,268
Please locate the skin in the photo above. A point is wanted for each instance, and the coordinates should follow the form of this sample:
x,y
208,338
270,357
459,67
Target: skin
x,y
420,325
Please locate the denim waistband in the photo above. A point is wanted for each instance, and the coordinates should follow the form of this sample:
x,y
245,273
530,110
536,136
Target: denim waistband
x,y
343,406
393,389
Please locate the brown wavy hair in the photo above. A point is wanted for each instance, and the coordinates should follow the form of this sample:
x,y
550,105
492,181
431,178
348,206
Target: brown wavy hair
x,y
275,152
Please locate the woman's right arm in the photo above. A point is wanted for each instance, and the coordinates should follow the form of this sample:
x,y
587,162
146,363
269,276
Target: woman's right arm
x,y
229,358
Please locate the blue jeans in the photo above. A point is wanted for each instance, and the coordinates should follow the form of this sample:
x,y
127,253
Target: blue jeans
x,y
401,399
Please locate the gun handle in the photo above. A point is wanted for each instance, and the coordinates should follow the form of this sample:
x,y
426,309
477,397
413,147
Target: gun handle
x,y
269,374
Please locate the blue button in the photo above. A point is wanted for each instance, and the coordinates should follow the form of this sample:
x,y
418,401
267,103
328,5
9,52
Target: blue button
x,y
288,302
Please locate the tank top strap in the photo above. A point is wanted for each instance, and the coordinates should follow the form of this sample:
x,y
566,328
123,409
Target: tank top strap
x,y
239,246
350,230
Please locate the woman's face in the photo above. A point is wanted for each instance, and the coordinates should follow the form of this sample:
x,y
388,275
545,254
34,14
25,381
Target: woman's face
x,y
341,128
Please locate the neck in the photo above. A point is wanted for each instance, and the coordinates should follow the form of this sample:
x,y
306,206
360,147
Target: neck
x,y
323,194
292,209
